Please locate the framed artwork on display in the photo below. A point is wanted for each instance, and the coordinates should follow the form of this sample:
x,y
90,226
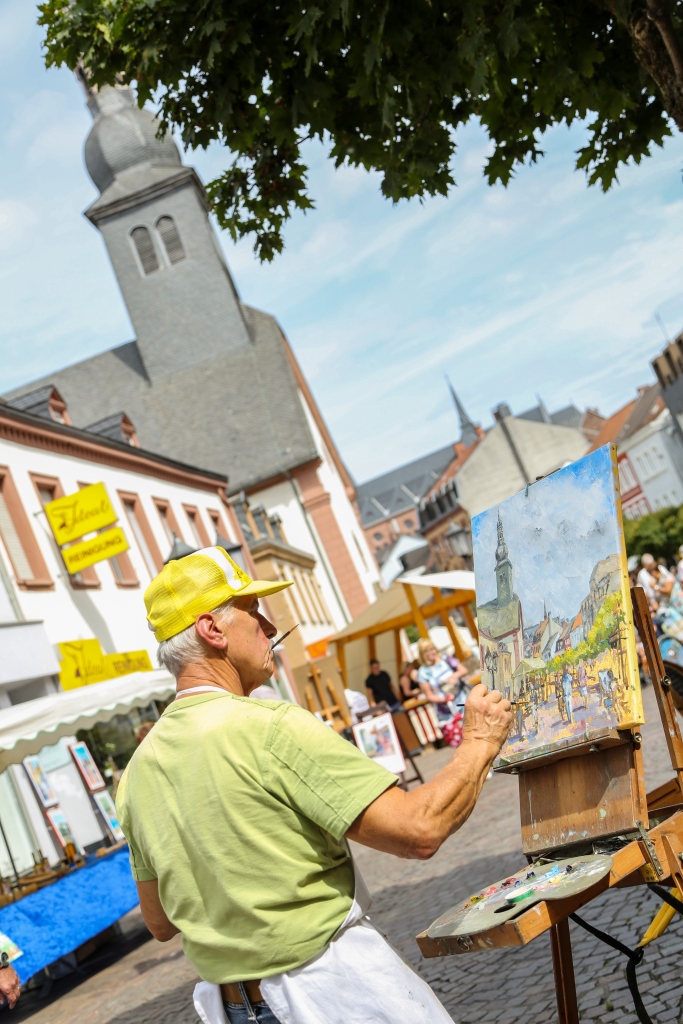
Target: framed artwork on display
x,y
87,767
41,783
61,827
379,740
107,809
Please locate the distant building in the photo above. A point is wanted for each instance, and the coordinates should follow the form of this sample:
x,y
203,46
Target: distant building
x,y
650,452
634,503
514,452
389,504
416,498
589,422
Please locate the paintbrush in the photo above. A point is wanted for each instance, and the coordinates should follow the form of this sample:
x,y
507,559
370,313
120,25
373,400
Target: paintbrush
x,y
279,639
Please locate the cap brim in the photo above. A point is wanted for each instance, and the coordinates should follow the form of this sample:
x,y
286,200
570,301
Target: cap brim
x,y
263,588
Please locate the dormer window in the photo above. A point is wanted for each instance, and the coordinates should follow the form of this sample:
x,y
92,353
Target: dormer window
x,y
118,427
171,239
144,247
128,432
57,408
46,402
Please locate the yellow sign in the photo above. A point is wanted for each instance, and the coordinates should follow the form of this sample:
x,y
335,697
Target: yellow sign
x,y
126,662
88,552
83,663
74,515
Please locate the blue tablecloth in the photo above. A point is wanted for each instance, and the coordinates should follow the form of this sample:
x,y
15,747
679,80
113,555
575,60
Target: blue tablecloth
x,y
55,920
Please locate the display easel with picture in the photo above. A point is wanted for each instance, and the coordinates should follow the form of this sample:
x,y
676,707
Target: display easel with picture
x,y
587,822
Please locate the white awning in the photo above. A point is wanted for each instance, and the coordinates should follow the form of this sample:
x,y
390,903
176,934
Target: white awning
x,y
27,728
453,579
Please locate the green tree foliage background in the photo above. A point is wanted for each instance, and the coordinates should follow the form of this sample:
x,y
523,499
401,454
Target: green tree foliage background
x,y
660,533
385,84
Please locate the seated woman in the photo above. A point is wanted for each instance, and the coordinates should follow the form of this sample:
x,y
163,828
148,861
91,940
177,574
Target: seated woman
x,y
437,679
410,688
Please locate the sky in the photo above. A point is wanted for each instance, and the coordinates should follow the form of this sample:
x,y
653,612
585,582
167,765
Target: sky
x,y
548,287
555,535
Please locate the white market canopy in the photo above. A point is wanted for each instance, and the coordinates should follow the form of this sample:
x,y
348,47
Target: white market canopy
x,y
27,728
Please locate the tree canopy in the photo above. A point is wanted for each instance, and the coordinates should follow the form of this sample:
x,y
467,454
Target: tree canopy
x,y
385,83
659,533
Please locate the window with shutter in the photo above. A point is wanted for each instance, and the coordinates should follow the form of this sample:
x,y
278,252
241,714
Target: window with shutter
x,y
13,543
171,239
142,240
17,536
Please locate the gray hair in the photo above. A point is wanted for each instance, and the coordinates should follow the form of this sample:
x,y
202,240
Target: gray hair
x,y
187,647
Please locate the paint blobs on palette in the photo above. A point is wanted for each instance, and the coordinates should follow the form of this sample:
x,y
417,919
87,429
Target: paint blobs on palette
x,y
516,888
507,898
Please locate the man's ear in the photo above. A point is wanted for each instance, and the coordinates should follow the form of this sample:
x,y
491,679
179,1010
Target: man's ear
x,y
209,630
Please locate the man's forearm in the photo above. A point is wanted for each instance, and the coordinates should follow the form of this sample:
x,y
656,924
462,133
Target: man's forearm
x,y
445,802
415,824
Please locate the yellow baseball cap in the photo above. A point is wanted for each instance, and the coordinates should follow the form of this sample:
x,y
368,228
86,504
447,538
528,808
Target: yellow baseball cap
x,y
197,583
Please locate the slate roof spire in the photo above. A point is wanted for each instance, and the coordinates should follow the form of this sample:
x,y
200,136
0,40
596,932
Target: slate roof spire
x,y
468,430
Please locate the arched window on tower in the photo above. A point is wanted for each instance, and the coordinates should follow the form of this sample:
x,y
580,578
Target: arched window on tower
x,y
144,246
171,239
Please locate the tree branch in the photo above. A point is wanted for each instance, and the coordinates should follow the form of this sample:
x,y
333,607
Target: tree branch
x,y
657,12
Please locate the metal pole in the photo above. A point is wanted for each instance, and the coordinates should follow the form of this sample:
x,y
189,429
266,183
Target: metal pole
x,y
9,853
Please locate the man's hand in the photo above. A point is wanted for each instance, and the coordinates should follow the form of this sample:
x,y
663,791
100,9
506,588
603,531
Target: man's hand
x,y
488,716
10,986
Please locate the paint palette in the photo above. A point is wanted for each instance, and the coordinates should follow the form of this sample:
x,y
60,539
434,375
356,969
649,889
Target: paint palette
x,y
510,896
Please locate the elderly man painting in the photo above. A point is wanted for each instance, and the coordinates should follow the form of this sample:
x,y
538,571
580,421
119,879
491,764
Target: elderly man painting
x,y
238,811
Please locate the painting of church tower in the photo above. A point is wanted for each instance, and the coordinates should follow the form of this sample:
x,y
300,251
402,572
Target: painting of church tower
x,y
501,622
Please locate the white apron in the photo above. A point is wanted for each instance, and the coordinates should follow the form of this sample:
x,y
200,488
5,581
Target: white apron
x,y
359,978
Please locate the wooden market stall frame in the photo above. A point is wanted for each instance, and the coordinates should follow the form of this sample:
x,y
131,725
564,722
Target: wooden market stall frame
x,y
440,605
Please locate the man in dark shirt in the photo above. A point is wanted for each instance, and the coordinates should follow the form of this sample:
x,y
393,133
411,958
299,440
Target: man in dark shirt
x,y
378,685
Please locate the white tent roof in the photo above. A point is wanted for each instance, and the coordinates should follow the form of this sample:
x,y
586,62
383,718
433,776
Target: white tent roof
x,y
454,579
27,728
393,602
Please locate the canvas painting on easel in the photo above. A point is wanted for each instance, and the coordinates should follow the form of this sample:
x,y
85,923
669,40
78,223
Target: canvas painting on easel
x,y
554,613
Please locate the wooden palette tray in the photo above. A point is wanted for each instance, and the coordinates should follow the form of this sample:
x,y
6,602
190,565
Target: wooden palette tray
x,y
631,865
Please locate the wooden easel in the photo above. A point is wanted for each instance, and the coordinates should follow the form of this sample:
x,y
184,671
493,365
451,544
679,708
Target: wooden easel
x,y
331,708
567,797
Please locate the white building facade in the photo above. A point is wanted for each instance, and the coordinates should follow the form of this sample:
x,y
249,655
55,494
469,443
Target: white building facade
x,y
41,605
655,460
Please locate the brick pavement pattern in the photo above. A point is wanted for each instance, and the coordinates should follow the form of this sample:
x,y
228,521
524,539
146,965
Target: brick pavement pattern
x,y
153,985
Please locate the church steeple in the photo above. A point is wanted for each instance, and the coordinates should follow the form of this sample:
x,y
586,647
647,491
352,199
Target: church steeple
x,y
468,430
503,568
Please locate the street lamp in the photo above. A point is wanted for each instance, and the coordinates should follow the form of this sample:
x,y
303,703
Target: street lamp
x,y
460,540
491,664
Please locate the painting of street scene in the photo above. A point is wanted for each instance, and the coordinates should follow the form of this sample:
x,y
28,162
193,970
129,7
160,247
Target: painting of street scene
x,y
554,613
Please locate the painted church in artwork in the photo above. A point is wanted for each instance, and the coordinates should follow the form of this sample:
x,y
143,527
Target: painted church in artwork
x,y
501,623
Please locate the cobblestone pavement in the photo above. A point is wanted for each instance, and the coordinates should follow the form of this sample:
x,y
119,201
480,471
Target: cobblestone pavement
x,y
153,984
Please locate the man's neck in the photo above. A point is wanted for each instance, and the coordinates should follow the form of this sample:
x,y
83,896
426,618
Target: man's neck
x,y
210,673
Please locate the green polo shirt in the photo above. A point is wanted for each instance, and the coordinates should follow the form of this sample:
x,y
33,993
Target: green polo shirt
x,y
239,808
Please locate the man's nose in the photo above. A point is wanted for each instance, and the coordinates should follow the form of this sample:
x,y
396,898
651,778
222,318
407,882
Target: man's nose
x,y
267,626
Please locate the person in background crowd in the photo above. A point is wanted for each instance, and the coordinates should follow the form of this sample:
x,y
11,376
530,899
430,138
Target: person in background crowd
x,y
379,687
437,679
679,564
646,580
407,680
358,704
669,594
